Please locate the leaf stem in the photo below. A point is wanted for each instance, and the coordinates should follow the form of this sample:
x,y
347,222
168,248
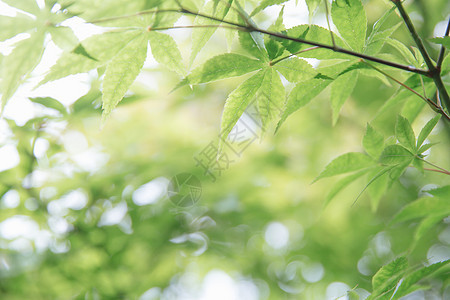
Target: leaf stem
x,y
251,28
436,170
442,170
293,54
442,52
433,72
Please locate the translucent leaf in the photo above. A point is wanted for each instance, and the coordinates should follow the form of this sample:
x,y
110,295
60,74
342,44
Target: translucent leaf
x,y
410,280
301,95
19,63
99,9
350,20
341,89
64,38
313,33
423,207
25,5
165,51
238,101
388,276
341,184
373,142
443,192
312,6
295,70
403,50
426,224
405,134
218,9
122,71
12,26
270,96
221,67
425,147
264,4
376,40
426,130
273,46
444,41
379,180
50,103
99,49
349,162
253,43
395,154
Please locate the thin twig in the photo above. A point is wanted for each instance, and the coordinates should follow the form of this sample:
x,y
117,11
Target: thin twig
x,y
274,62
436,170
433,70
433,165
442,52
250,28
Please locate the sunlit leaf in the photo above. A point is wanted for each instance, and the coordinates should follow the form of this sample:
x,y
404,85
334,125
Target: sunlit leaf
x,y
301,95
64,38
444,41
341,89
345,163
200,36
373,142
295,69
253,43
405,134
264,4
312,6
395,154
388,276
238,101
122,71
220,67
270,96
379,180
341,184
426,130
422,208
29,6
50,103
350,19
17,65
165,51
11,26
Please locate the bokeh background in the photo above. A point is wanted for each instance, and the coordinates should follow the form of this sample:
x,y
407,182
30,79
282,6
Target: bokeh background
x,y
84,209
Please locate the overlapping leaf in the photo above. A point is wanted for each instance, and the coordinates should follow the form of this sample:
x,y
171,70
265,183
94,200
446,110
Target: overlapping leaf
x,y
351,21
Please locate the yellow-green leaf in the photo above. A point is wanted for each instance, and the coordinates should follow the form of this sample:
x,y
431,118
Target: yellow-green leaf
x,y
351,21
341,89
122,71
165,51
348,162
295,69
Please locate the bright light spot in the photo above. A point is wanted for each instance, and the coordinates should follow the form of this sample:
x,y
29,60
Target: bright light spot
x,y
59,225
114,215
337,290
11,199
48,192
9,157
76,199
74,142
364,266
218,285
313,272
150,192
382,244
198,238
40,148
247,290
244,129
90,160
444,236
6,10
438,253
277,235
439,29
424,190
151,294
18,226
31,204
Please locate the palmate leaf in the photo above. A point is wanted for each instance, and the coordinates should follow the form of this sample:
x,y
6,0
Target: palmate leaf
x,y
64,37
12,26
270,96
122,71
200,36
341,89
373,142
403,50
426,130
348,162
238,101
351,21
301,95
19,63
295,69
221,67
405,134
377,37
273,46
97,51
341,184
165,51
